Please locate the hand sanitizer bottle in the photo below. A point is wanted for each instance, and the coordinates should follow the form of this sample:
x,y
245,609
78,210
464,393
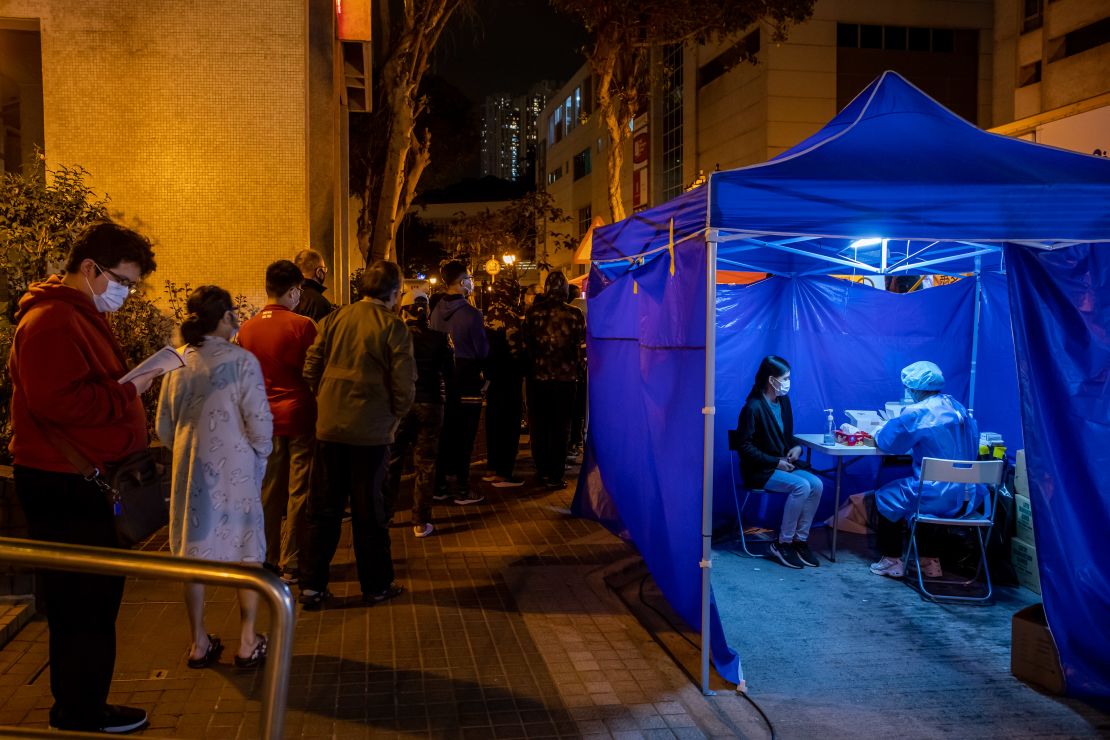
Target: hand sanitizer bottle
x,y
830,437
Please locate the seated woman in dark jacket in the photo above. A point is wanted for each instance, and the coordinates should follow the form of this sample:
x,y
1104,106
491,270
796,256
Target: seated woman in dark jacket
x,y
769,460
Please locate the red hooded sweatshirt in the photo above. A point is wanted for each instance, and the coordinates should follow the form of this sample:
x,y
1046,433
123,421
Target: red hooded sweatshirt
x,y
64,364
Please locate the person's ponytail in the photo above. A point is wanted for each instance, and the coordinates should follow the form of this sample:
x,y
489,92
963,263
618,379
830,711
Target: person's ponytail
x,y
206,306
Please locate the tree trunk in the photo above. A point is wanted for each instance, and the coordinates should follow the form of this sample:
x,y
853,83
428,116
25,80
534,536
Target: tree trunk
x,y
393,175
610,108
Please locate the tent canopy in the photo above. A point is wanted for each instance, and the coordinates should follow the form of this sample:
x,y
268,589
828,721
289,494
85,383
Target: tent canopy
x,y
895,184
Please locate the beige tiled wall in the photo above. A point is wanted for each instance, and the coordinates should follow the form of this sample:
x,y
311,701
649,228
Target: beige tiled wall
x,y
191,116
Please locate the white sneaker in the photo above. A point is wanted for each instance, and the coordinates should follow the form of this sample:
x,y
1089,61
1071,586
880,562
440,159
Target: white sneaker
x,y
422,530
930,567
889,567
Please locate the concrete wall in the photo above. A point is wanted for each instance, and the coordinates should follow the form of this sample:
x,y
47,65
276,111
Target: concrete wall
x,y
193,117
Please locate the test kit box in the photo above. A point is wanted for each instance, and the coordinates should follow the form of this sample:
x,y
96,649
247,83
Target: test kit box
x,y
1023,517
1023,556
1033,655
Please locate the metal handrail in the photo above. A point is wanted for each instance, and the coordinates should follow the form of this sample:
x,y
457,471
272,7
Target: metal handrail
x,y
60,556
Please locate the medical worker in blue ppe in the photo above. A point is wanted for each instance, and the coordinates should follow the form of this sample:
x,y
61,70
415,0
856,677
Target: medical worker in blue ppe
x,y
934,425
770,459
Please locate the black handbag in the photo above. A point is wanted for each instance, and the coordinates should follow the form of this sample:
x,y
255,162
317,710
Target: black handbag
x,y
132,486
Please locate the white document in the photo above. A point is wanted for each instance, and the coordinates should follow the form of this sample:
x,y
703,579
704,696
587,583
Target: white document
x,y
161,362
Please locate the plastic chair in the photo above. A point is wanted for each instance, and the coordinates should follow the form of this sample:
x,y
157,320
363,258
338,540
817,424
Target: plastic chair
x,y
979,472
734,446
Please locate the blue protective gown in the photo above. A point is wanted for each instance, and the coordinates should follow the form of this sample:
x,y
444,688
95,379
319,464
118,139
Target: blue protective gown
x,y
940,427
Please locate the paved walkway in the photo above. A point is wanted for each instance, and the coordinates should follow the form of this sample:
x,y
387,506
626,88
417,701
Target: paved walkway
x,y
506,631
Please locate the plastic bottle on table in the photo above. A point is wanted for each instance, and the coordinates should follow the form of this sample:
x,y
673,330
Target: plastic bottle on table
x,y
830,436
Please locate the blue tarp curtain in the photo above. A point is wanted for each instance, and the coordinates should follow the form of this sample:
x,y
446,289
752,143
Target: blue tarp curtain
x,y
646,344
859,178
1061,310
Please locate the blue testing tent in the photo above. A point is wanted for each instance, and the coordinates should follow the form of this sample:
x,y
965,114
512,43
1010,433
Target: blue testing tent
x,y
895,184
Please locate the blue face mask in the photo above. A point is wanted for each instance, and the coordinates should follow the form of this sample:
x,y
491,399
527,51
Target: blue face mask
x,y
782,387
112,298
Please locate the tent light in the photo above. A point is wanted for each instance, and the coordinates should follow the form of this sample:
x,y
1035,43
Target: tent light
x,y
869,242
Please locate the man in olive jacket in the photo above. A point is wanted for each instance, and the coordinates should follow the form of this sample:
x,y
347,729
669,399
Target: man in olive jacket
x,y
362,370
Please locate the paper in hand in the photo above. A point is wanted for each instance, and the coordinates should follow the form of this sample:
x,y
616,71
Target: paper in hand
x,y
161,362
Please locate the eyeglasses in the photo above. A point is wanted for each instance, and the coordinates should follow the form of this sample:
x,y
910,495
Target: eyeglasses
x,y
132,287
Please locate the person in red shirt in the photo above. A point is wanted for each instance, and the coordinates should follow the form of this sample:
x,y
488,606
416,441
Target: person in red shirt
x,y
280,340
65,364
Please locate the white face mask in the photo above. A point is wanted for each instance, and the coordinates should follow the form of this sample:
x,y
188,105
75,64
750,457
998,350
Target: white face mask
x,y
112,298
782,387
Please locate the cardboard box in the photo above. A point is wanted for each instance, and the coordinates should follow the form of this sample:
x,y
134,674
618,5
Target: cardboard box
x,y
1023,556
1021,474
1023,514
1033,655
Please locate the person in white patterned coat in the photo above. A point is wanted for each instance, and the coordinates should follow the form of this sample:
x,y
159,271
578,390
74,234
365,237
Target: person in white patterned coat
x,y
213,413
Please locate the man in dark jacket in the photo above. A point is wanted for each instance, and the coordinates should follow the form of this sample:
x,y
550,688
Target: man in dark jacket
x,y
454,315
554,336
313,304
505,373
362,370
65,364
419,430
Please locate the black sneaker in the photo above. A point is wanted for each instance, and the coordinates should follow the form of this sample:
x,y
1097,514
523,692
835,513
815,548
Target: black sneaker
x,y
801,549
784,554
392,591
313,601
114,718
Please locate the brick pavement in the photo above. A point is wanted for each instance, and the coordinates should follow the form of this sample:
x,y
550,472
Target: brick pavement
x,y
506,631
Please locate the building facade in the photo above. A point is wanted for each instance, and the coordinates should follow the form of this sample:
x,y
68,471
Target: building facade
x,y
716,111
511,133
1052,72
215,127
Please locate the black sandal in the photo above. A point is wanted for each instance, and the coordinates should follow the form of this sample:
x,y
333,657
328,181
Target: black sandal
x,y
211,655
257,655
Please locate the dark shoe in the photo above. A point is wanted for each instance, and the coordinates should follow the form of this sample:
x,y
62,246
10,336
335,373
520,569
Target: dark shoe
x,y
290,576
442,496
509,483
211,655
555,485
114,718
257,655
784,554
313,601
393,591
468,498
801,549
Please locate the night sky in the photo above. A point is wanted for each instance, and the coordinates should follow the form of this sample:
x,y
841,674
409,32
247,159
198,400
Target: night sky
x,y
507,45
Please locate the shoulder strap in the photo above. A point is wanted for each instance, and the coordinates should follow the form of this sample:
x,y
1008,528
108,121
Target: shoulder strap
x,y
79,462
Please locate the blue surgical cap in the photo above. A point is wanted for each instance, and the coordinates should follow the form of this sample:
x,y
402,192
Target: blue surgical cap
x,y
922,376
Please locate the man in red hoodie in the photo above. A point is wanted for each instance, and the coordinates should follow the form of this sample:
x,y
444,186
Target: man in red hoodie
x,y
65,364
280,340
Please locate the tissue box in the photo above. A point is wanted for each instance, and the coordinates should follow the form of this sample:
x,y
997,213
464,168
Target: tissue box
x,y
867,421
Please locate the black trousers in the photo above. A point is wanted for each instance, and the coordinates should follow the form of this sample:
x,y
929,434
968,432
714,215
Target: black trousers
x,y
339,472
550,407
461,417
578,420
888,536
418,433
504,406
81,608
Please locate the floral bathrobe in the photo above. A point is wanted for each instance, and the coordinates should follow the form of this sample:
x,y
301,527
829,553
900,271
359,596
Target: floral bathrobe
x,y
215,416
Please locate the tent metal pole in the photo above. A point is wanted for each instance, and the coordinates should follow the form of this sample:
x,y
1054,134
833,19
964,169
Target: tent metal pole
x,y
975,331
708,415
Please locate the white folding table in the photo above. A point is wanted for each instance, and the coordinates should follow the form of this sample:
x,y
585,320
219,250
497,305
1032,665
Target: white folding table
x,y
839,451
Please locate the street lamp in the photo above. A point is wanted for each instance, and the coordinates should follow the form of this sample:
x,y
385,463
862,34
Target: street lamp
x,y
510,262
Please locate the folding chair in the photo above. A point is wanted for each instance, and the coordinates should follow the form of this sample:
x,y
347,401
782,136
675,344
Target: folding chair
x,y
980,472
733,468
